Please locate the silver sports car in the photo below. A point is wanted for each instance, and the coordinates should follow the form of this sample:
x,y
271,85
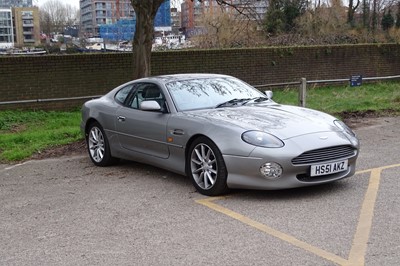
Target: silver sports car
x,y
219,131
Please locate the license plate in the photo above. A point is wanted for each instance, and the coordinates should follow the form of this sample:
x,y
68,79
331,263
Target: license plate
x,y
328,168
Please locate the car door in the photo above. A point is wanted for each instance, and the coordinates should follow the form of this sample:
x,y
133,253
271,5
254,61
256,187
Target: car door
x,y
143,131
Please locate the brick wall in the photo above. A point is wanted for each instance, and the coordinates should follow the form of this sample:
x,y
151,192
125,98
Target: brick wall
x,y
61,76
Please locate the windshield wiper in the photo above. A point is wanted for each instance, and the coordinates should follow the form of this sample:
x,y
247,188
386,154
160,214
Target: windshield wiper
x,y
233,102
244,101
259,99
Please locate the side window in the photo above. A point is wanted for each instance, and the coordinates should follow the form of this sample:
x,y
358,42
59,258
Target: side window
x,y
137,97
122,95
147,92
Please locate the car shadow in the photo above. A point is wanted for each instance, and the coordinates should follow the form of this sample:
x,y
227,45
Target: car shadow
x,y
153,172
310,192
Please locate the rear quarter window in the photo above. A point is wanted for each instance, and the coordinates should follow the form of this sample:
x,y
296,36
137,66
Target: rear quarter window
x,y
122,94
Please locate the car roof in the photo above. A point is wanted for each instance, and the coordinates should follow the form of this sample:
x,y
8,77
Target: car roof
x,y
186,76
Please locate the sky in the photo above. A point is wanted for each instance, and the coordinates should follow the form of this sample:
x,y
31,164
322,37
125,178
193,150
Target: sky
x,y
74,3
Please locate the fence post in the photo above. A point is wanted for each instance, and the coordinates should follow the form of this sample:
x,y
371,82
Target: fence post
x,y
303,92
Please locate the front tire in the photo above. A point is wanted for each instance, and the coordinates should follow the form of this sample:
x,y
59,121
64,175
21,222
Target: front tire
x,y
98,147
206,167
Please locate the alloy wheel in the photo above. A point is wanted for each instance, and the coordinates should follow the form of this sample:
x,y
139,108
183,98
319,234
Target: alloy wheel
x,y
204,166
96,144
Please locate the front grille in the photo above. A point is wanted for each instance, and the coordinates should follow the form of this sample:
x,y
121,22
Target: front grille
x,y
325,154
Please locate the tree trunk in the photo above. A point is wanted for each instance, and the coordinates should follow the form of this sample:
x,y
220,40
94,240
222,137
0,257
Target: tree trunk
x,y
145,11
366,14
351,11
374,17
142,43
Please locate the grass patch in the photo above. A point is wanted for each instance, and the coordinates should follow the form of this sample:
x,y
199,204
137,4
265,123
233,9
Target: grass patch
x,y
24,133
376,97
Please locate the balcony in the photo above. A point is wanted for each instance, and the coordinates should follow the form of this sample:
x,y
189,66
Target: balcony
x,y
84,4
27,23
101,14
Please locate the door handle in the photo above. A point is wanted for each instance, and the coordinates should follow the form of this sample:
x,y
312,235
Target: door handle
x,y
121,118
177,132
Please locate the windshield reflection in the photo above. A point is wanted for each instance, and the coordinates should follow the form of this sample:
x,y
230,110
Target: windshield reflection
x,y
205,93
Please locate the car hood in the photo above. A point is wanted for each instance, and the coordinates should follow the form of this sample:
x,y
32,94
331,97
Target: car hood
x,y
283,121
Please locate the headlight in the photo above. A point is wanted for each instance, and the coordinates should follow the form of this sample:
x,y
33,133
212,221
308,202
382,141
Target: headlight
x,y
262,139
343,127
348,132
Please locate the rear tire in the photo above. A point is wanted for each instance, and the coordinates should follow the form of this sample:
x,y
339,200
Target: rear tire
x,y
206,167
98,147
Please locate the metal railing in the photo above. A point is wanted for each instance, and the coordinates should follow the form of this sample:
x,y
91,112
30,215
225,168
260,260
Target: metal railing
x,y
302,83
51,100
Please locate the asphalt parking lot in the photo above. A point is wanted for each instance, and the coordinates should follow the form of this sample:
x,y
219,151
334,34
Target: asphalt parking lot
x,y
65,211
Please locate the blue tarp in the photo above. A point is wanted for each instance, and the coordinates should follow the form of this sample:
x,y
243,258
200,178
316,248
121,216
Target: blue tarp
x,y
124,29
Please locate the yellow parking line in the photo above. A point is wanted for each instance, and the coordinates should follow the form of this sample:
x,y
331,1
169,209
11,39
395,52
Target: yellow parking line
x,y
363,171
360,240
382,168
266,229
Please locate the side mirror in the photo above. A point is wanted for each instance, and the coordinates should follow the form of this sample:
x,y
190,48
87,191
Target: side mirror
x,y
150,106
269,94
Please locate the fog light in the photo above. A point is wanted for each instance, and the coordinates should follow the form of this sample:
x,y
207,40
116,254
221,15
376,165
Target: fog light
x,y
271,170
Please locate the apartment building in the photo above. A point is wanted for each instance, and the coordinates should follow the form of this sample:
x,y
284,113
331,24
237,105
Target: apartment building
x,y
95,13
192,12
19,24
26,26
6,29
175,20
15,3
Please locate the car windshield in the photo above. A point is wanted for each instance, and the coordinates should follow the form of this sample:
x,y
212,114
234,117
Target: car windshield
x,y
205,93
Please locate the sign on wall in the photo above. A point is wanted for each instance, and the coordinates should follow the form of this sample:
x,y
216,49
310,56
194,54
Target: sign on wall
x,y
355,80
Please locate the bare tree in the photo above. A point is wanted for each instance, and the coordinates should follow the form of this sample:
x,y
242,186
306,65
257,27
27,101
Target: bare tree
x,y
326,20
352,9
223,29
373,10
71,15
365,13
55,16
282,14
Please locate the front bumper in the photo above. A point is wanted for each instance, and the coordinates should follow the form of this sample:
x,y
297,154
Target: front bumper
x,y
244,172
